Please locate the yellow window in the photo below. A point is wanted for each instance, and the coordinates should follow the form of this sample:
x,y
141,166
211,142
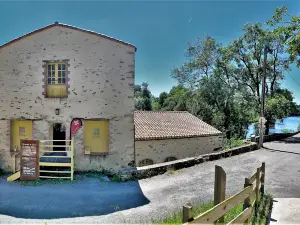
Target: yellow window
x,y
96,136
20,130
56,79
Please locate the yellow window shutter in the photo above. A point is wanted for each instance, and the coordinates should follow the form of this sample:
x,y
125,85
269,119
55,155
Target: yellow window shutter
x,y
21,130
96,136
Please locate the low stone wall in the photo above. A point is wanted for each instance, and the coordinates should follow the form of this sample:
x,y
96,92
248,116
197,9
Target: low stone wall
x,y
274,137
160,168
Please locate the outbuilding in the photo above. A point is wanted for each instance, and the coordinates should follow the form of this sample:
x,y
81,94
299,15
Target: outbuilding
x,y
162,136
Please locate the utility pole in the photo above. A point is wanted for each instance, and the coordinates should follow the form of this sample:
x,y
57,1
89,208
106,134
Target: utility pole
x,y
262,109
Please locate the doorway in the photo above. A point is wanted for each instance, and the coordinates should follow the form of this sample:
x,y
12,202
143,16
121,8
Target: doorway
x,y
59,133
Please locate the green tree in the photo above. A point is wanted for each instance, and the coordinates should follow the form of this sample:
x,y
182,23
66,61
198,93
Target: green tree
x,y
247,53
279,106
142,97
228,78
209,76
162,98
288,27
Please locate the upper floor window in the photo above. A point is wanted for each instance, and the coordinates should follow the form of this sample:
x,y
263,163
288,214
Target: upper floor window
x,y
56,73
56,79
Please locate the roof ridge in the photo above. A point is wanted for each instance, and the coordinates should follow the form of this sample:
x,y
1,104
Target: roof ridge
x,y
68,26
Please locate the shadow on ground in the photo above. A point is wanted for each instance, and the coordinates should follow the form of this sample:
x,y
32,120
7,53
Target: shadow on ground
x,y
290,140
85,197
276,150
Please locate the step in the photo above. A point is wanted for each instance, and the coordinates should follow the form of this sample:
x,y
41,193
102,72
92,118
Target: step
x,y
51,156
13,177
55,164
55,177
50,171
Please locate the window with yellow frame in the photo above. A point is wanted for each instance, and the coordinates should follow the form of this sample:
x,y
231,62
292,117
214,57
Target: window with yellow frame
x,y
56,79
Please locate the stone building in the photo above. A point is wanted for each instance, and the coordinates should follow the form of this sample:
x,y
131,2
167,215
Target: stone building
x,y
166,136
59,76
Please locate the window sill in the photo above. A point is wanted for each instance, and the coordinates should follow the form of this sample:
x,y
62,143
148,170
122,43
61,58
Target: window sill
x,y
99,153
57,97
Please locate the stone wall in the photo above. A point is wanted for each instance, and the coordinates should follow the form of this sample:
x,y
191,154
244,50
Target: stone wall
x,y
159,150
273,137
160,168
5,155
101,86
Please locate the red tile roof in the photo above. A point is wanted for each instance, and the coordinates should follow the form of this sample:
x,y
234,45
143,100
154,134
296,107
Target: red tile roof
x,y
151,125
67,26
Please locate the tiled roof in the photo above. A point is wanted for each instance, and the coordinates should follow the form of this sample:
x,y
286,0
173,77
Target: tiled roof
x,y
170,124
67,26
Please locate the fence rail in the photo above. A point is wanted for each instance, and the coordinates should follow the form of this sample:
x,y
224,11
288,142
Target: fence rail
x,y
253,186
46,146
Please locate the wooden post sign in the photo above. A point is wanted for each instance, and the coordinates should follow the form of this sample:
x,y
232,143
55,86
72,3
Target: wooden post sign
x,y
29,160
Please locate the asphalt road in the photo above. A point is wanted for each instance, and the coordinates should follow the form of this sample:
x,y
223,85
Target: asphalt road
x,y
92,201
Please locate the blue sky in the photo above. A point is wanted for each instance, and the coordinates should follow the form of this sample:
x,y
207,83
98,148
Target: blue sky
x,y
159,29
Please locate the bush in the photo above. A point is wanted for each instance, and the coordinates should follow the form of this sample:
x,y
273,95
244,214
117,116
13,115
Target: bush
x,y
286,131
232,143
116,178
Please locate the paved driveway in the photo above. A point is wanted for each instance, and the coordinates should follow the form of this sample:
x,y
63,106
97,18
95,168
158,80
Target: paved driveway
x,y
154,197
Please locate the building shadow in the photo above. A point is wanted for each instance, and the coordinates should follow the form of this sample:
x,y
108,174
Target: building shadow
x,y
84,197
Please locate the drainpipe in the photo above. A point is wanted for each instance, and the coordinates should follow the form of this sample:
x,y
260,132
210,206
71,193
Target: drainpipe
x,y
134,157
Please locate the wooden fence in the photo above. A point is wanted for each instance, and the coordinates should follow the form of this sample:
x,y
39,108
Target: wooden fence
x,y
46,146
253,188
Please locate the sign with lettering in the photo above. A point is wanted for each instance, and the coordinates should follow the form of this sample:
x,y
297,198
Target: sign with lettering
x,y
75,126
29,160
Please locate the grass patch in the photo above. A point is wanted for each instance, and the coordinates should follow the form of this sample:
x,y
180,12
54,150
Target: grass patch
x,y
95,175
40,182
176,218
287,131
77,177
233,143
98,175
261,217
171,171
5,172
2,173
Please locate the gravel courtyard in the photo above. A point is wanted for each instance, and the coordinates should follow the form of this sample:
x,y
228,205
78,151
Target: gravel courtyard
x,y
92,201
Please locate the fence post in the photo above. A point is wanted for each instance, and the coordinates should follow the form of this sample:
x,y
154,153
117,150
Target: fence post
x,y
263,170
220,188
247,200
257,188
187,213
